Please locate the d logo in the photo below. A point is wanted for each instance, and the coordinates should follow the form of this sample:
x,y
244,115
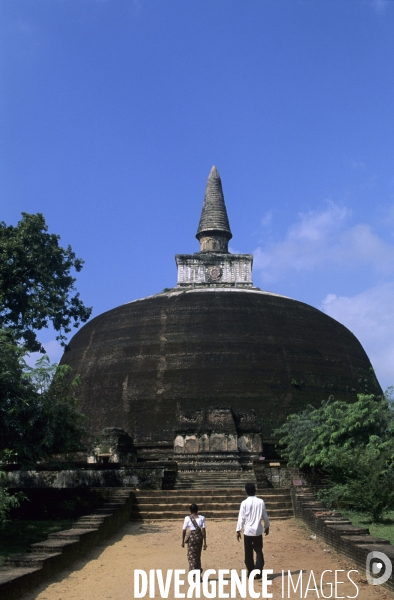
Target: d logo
x,y
378,563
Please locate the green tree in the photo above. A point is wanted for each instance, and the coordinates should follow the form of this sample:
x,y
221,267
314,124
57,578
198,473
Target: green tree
x,y
36,285
353,444
39,417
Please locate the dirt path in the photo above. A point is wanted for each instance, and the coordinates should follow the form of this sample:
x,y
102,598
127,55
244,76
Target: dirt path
x,y
108,570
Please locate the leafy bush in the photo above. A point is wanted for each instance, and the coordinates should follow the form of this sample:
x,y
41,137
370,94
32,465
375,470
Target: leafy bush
x,y
38,410
7,501
38,413
353,444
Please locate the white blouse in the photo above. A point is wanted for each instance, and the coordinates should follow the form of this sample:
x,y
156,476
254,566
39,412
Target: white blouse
x,y
200,522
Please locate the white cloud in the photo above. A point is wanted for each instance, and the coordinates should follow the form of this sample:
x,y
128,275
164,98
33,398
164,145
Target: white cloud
x,y
370,316
379,5
324,239
327,241
316,226
357,164
389,216
267,219
52,348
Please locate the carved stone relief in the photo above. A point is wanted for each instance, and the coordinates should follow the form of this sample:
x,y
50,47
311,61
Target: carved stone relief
x,y
216,430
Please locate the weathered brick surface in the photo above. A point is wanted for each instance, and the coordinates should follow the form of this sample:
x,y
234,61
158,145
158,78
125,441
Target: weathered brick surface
x,y
352,541
144,361
85,477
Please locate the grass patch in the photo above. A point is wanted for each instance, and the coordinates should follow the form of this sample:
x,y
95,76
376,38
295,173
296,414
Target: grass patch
x,y
16,536
384,529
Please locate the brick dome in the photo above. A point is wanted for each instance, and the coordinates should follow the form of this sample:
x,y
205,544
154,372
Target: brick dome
x,y
189,349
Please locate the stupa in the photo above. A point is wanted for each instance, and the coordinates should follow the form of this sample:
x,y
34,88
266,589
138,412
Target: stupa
x,y
207,370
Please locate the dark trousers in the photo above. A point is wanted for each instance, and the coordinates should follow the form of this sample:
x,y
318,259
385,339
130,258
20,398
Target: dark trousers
x,y
253,542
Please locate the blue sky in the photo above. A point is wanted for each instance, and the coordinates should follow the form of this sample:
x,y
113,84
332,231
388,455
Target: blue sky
x,y
112,113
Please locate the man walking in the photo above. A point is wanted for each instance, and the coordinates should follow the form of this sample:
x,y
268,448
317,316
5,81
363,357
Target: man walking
x,y
251,511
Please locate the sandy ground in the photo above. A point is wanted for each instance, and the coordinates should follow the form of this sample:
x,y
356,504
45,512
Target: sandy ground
x,y
108,570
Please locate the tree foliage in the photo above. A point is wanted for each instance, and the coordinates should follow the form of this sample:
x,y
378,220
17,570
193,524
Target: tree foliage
x,y
353,444
39,418
36,285
38,411
7,500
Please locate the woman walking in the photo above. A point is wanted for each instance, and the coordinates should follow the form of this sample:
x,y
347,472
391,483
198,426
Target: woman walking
x,y
197,538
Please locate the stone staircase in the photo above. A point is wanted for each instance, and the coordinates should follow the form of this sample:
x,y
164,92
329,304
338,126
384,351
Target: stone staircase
x,y
60,548
23,572
210,480
219,503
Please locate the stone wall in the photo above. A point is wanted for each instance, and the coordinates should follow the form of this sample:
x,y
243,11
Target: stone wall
x,y
94,475
354,542
58,503
277,474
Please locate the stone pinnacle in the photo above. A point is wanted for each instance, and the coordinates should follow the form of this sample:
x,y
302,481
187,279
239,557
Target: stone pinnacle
x,y
214,219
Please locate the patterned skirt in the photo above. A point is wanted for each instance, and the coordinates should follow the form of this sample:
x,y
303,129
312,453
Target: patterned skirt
x,y
194,548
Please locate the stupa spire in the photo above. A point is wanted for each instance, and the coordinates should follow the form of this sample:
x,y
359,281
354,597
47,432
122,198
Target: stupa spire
x,y
214,230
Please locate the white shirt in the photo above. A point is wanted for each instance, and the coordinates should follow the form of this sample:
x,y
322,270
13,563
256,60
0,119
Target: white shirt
x,y
251,511
200,522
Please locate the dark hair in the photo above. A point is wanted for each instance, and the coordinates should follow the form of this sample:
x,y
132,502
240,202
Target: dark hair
x,y
193,509
250,489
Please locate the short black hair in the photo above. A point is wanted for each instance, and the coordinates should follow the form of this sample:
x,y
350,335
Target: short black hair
x,y
193,509
250,489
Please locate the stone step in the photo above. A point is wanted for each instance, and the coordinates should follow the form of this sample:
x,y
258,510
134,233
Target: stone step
x,y
204,486
198,498
31,560
212,514
202,499
91,519
226,475
104,511
211,492
206,501
215,480
216,476
11,575
87,525
100,518
146,507
51,545
70,534
209,485
231,477
207,504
